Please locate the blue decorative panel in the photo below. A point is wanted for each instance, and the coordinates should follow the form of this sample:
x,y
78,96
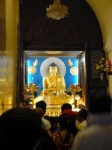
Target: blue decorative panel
x,y
34,75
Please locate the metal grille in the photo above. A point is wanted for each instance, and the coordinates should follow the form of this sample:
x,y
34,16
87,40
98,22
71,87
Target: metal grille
x,y
100,91
93,91
95,57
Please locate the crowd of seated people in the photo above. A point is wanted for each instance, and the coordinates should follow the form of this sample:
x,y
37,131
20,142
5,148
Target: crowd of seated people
x,y
26,128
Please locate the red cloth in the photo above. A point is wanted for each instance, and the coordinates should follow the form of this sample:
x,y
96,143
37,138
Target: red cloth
x,y
75,113
70,112
58,141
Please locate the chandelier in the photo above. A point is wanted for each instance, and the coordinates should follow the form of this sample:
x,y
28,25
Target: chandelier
x,y
57,10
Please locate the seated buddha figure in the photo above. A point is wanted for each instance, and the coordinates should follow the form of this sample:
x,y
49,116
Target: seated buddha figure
x,y
54,87
54,82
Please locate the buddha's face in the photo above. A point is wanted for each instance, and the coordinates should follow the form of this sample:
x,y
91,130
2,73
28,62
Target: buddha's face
x,y
53,69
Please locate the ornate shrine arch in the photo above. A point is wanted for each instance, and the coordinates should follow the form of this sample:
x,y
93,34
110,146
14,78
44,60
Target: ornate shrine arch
x,y
79,31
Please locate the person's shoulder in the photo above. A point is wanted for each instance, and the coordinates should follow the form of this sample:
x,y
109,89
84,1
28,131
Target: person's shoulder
x,y
82,133
89,131
45,120
90,134
81,125
47,123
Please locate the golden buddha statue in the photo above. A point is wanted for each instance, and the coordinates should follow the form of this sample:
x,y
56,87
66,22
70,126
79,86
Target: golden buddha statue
x,y
54,82
54,87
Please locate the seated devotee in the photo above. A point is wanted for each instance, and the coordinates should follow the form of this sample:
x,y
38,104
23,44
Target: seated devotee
x,y
43,105
63,137
68,112
72,120
66,106
54,87
98,133
82,118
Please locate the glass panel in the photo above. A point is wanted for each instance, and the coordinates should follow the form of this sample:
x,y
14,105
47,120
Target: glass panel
x,y
49,74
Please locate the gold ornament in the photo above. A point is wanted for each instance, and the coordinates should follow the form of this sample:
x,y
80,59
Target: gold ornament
x,y
74,88
57,11
29,94
70,63
35,62
32,88
32,70
74,70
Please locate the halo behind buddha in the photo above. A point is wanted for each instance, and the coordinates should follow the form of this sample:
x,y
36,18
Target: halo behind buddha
x,y
52,61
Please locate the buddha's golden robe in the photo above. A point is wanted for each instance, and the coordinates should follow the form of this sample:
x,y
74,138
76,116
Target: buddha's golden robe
x,y
54,88
55,84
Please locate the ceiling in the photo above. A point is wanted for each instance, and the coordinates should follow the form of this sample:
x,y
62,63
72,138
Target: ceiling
x,y
103,11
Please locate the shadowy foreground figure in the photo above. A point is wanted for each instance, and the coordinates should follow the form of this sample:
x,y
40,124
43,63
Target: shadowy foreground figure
x,y
98,133
20,129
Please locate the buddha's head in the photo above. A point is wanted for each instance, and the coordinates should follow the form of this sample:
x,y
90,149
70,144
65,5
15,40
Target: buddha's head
x,y
53,69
